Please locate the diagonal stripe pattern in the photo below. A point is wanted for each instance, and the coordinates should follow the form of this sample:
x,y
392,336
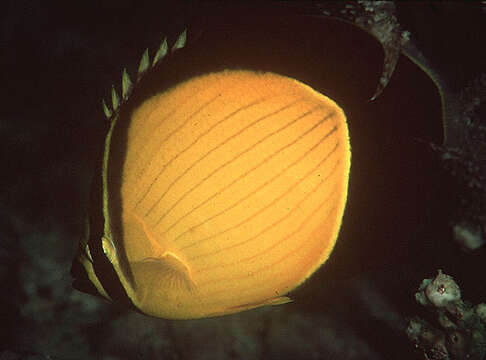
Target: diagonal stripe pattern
x,y
233,190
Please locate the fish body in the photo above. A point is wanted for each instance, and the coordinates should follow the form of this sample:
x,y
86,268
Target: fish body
x,y
218,195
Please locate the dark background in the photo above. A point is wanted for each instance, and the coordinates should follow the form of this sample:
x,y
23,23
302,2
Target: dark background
x,y
60,58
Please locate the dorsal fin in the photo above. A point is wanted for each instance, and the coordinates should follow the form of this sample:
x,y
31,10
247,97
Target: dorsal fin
x,y
128,85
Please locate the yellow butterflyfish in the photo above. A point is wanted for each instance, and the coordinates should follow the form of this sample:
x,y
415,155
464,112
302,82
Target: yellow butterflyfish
x,y
220,194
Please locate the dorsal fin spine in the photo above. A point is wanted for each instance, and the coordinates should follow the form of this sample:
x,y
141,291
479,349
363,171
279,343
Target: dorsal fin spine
x,y
127,84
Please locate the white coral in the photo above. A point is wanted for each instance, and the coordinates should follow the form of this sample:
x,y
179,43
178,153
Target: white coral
x,y
443,290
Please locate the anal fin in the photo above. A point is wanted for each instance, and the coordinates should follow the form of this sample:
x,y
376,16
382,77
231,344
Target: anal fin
x,y
278,300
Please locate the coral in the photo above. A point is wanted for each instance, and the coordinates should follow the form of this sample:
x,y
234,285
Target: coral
x,y
457,330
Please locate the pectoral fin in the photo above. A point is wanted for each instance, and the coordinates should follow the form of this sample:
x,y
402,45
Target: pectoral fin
x,y
164,277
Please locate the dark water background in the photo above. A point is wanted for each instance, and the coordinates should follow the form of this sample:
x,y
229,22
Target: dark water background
x,y
60,58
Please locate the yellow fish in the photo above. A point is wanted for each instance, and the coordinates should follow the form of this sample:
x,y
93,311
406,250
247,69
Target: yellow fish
x,y
218,195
